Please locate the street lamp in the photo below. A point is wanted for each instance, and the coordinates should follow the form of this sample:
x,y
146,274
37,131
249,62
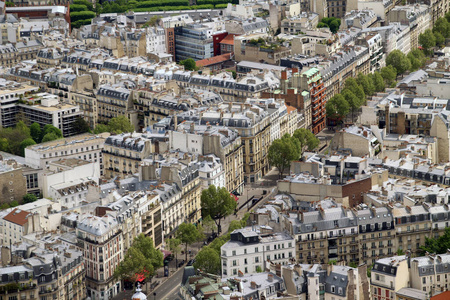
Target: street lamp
x,y
154,295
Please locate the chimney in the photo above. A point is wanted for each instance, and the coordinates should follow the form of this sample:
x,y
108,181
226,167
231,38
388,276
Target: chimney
x,y
253,285
283,75
270,277
192,127
294,70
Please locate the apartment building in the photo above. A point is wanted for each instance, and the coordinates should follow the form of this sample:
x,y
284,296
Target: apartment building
x,y
13,182
113,101
430,273
251,248
249,86
412,226
11,55
84,146
172,205
220,141
18,223
156,39
211,171
323,235
254,48
416,16
57,274
193,41
10,94
122,153
82,95
388,276
101,241
153,106
361,140
51,111
48,58
252,123
300,23
376,235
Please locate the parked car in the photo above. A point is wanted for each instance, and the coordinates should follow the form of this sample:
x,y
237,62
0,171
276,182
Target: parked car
x,y
191,262
181,263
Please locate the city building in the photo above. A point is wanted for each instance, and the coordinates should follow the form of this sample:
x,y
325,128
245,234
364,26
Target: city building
x,y
193,41
100,239
251,248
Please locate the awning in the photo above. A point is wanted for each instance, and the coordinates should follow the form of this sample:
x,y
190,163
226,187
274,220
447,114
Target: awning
x,y
166,253
234,196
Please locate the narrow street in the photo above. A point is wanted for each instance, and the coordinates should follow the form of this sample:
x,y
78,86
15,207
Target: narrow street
x,y
168,287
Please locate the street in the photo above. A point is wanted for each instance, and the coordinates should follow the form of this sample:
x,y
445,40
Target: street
x,y
168,288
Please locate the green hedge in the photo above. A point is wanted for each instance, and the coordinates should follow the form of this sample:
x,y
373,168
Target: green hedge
x,y
160,3
79,23
169,8
78,7
81,15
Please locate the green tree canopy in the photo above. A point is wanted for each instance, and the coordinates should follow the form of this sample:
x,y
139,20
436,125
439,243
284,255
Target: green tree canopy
x,y
378,82
366,83
427,40
209,224
356,89
25,143
217,203
81,126
353,101
283,151
337,108
78,7
208,261
189,64
417,59
442,26
389,75
100,128
440,39
399,61
50,137
188,234
51,129
141,258
307,139
84,2
437,245
28,198
174,246
35,132
120,124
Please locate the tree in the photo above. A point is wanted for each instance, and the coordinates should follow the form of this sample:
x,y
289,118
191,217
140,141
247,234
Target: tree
x,y
427,40
334,26
283,151
367,85
188,234
399,61
356,89
417,59
389,75
442,26
81,126
23,129
337,108
235,224
217,203
308,141
141,259
209,224
437,245
208,261
35,132
100,128
189,64
440,39
4,145
51,129
120,124
322,25
353,101
378,82
49,137
28,198
174,246
25,143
